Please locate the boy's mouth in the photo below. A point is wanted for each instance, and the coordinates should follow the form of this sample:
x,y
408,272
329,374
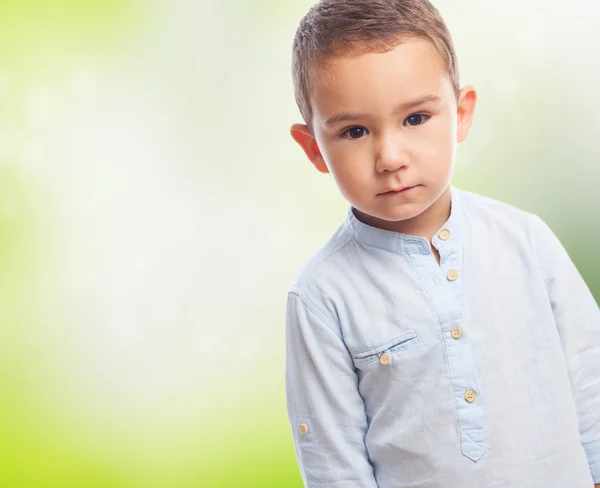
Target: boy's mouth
x,y
402,189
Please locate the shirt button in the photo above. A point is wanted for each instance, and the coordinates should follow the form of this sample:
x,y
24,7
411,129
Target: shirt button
x,y
303,429
470,396
444,235
385,358
456,332
452,275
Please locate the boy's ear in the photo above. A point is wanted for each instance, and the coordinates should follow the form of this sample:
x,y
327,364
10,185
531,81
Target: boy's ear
x,y
467,100
308,143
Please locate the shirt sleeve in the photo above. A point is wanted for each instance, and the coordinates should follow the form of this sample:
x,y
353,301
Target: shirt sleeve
x,y
577,317
325,409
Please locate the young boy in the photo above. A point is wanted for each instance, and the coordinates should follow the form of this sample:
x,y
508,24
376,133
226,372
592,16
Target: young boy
x,y
439,338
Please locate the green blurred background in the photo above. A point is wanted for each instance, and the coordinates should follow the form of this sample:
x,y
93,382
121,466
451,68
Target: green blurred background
x,y
154,210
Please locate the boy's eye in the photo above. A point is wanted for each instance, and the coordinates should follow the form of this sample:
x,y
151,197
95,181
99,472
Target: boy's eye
x,y
416,119
355,132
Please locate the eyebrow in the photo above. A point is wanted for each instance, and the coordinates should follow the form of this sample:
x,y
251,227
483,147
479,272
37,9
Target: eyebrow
x,y
342,117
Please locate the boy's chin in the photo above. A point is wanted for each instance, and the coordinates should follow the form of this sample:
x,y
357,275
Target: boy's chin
x,y
397,213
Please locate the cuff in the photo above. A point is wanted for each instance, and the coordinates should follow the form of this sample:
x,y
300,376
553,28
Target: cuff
x,y
592,451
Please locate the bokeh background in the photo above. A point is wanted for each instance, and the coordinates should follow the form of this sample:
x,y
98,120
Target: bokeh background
x,y
154,211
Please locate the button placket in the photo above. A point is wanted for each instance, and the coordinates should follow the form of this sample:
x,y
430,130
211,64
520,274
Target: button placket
x,y
447,293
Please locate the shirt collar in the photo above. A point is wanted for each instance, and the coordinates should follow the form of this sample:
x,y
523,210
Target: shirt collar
x,y
397,242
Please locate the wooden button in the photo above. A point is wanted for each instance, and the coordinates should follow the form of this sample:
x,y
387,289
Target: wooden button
x,y
452,275
385,358
303,429
470,396
444,235
456,332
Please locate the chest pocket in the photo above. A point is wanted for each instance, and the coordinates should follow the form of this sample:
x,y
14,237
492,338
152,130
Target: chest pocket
x,y
385,354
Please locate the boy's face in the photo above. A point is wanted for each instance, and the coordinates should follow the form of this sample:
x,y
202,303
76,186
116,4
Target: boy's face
x,y
386,121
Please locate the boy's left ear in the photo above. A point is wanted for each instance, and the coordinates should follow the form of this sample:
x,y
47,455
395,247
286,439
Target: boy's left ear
x,y
467,99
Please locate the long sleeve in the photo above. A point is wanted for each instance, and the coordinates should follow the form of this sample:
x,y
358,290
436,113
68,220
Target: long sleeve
x,y
325,409
577,317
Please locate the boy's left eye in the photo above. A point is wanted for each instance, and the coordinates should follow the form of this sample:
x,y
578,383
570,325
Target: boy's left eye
x,y
416,119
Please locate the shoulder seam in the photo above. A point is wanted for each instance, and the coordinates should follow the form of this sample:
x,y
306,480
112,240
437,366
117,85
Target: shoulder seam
x,y
331,253
339,248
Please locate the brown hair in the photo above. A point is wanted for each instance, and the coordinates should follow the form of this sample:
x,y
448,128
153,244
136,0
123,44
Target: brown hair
x,y
337,27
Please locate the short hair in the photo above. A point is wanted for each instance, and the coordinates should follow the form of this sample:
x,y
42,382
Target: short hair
x,y
338,27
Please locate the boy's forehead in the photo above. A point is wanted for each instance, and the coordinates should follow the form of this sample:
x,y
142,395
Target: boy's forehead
x,y
358,80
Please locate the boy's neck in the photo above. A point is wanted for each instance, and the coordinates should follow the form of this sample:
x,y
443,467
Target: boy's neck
x,y
425,224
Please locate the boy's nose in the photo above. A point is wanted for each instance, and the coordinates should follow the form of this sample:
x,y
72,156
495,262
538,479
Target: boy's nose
x,y
391,155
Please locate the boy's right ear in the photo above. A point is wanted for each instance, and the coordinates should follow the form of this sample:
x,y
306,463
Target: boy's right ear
x,y
308,143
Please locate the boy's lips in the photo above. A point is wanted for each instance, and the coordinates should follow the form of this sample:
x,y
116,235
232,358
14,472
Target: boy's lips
x,y
401,189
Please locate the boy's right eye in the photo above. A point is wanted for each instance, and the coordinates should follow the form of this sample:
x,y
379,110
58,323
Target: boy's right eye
x,y
355,132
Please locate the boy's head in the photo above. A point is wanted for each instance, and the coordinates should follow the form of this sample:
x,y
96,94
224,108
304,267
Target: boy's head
x,y
376,82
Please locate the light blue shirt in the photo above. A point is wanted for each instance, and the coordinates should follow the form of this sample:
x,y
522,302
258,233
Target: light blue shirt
x,y
483,371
